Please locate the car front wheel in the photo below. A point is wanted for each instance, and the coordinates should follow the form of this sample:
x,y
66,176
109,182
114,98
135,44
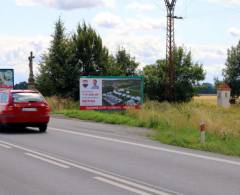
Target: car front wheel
x,y
43,128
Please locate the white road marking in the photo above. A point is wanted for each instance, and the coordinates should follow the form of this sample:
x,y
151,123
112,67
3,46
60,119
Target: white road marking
x,y
48,161
121,186
5,146
220,160
138,186
93,170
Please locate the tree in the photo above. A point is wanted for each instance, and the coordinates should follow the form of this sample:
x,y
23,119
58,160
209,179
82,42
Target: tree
x,y
188,74
122,64
88,51
232,71
82,54
55,69
112,68
21,85
127,64
70,57
154,80
88,56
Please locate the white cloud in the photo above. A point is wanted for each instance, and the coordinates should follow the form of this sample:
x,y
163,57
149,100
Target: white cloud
x,y
14,52
140,7
107,20
234,32
137,35
140,23
146,23
67,4
210,52
147,49
227,2
212,57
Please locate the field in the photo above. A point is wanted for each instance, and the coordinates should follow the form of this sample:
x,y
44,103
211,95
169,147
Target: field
x,y
208,99
176,124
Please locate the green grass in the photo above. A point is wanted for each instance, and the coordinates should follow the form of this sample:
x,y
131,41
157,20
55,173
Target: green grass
x,y
191,139
111,118
177,124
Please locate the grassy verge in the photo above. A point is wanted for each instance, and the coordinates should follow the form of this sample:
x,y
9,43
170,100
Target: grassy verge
x,y
177,124
111,118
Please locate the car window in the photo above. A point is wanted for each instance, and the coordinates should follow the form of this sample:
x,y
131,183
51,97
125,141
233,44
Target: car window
x,y
27,97
3,97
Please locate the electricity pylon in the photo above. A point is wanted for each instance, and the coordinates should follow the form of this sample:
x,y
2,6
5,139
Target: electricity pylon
x,y
171,69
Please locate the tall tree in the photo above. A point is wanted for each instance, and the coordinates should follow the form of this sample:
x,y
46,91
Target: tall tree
x,y
88,56
188,74
127,64
68,58
55,69
88,51
154,77
232,71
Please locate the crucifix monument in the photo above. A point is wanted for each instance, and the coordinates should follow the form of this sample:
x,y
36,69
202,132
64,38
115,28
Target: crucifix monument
x,y
31,80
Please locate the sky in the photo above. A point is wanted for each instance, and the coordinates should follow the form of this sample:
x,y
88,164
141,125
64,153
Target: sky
x,y
208,29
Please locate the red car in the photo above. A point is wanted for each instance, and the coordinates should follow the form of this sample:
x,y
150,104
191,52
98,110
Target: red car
x,y
24,108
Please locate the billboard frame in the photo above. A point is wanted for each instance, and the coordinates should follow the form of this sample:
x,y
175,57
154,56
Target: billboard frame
x,y
117,77
11,69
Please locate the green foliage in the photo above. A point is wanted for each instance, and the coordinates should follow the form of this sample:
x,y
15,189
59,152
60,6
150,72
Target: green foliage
x,y
122,64
111,118
188,74
88,51
88,56
81,54
127,64
232,71
154,76
68,58
21,85
55,69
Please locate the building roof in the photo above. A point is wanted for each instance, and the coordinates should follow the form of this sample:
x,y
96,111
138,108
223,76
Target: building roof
x,y
224,87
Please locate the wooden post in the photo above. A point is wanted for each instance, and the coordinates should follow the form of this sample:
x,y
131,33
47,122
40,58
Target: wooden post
x,y
202,132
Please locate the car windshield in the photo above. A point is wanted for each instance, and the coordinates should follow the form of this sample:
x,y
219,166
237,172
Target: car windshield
x,y
27,97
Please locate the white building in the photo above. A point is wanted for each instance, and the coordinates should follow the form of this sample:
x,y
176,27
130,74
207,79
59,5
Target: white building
x,y
223,95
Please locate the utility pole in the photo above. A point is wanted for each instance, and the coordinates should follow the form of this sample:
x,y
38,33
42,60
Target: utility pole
x,y
31,80
170,48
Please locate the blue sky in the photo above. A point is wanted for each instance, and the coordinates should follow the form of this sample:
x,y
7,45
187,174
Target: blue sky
x,y
209,28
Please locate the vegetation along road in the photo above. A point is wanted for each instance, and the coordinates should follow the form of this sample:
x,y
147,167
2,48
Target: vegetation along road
x,y
77,157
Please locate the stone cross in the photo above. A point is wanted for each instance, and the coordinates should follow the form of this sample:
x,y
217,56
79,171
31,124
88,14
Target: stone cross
x,y
31,76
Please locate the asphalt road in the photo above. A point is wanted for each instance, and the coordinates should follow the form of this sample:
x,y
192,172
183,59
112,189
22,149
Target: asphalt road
x,y
84,158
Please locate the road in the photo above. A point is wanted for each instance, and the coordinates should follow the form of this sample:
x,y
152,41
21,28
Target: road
x,y
85,158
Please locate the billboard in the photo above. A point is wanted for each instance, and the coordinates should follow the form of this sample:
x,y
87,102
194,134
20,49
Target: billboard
x,y
6,78
111,93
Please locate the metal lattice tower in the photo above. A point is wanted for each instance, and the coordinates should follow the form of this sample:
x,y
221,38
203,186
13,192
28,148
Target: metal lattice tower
x,y
171,71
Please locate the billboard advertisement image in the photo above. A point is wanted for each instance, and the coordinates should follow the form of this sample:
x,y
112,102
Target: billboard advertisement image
x,y
110,93
6,78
